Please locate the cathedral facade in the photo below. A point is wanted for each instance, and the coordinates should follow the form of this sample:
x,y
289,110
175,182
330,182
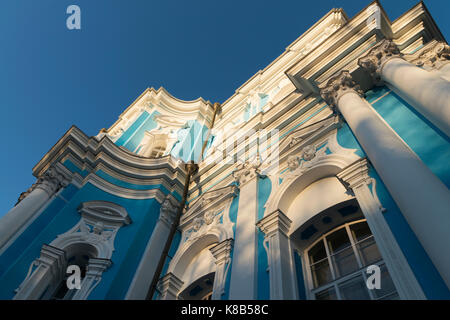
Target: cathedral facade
x,y
329,164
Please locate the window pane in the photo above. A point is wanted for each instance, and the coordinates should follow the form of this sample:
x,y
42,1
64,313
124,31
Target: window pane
x,y
317,253
321,273
354,289
327,294
338,240
320,268
368,251
360,230
387,286
345,262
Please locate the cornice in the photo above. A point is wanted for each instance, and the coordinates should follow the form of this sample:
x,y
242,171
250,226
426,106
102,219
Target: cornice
x,y
162,100
94,155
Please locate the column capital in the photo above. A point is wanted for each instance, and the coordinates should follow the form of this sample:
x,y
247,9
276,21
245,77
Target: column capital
x,y
337,86
169,286
50,181
222,251
97,266
356,174
375,59
168,211
275,222
434,57
247,171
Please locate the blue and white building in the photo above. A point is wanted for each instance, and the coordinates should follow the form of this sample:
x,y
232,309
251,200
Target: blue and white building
x,y
333,159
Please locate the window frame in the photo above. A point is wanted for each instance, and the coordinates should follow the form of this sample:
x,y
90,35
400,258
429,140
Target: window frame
x,y
311,290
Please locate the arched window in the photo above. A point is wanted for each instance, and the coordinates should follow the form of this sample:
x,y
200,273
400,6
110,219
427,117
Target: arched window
x,y
337,262
89,244
79,255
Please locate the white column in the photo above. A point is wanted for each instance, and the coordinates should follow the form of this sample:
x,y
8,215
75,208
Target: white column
x,y
47,270
31,201
422,198
244,271
426,91
356,177
169,287
149,261
221,253
435,59
276,227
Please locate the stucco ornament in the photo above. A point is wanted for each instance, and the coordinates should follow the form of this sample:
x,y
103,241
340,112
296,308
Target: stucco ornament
x,y
247,170
293,162
208,217
308,152
168,211
375,59
337,86
310,157
434,57
204,224
197,224
50,181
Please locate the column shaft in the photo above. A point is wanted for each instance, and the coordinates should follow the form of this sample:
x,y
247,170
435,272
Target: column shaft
x,y
244,269
426,91
18,216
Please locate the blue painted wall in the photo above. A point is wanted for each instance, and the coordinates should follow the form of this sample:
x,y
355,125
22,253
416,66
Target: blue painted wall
x,y
233,217
264,189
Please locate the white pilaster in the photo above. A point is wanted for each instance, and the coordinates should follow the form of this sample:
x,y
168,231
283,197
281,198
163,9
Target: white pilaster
x,y
47,270
276,227
426,91
94,272
356,177
149,261
244,271
221,253
422,198
169,287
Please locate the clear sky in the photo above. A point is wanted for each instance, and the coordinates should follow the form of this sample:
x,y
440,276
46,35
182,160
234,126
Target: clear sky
x,y
52,77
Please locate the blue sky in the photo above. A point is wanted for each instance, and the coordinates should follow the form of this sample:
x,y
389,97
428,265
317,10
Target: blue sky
x,y
52,77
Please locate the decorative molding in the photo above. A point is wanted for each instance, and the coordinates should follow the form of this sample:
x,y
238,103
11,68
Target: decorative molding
x,y
213,200
319,166
94,273
100,221
169,287
274,222
205,224
247,171
168,212
46,270
356,175
337,86
377,57
434,57
50,181
222,254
